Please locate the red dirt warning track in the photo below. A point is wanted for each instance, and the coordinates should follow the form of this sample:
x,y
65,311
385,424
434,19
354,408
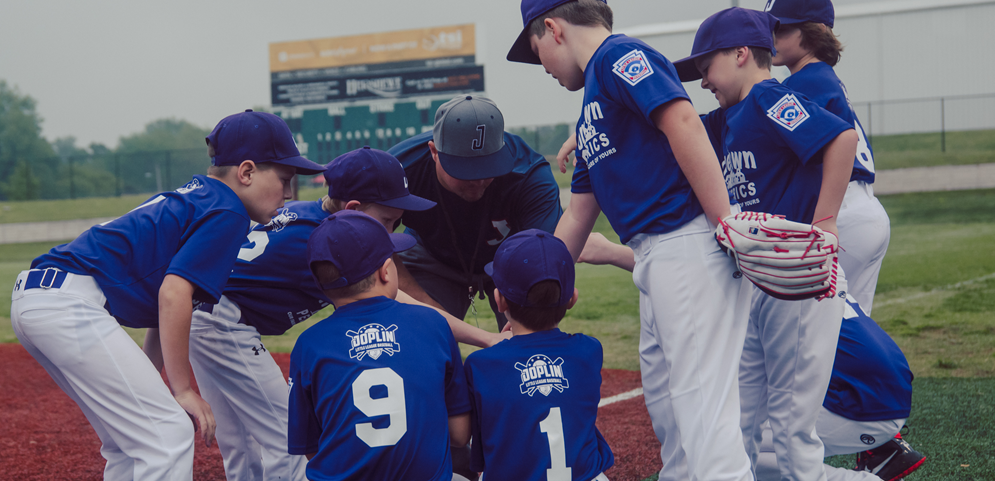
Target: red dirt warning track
x,y
44,435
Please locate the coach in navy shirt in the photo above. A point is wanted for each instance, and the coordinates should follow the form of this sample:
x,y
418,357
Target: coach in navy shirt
x,y
488,185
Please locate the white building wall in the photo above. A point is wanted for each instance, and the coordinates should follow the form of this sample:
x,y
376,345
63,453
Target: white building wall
x,y
894,51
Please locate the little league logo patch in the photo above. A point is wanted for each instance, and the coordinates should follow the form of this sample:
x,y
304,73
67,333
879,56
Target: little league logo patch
x,y
542,374
633,67
283,219
373,339
788,112
190,187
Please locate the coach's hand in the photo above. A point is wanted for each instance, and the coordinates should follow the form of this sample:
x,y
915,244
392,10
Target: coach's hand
x,y
200,413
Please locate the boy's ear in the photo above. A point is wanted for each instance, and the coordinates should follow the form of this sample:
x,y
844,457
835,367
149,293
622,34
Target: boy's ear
x,y
384,272
742,55
553,28
573,299
245,172
500,301
352,205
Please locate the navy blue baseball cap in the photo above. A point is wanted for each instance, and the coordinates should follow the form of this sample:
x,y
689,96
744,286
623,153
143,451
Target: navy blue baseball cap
x,y
370,175
355,243
259,137
730,28
530,257
802,11
521,51
469,135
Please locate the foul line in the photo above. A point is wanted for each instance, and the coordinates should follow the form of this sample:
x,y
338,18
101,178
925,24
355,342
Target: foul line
x,y
934,291
621,397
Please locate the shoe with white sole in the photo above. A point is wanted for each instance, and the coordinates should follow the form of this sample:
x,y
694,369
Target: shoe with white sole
x,y
890,461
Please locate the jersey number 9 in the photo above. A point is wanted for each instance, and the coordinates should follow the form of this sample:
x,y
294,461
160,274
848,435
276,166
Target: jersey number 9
x,y
391,405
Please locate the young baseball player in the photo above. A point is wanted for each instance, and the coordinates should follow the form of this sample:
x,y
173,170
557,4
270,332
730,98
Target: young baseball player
x,y
645,159
535,397
806,44
785,155
377,390
270,290
869,398
148,269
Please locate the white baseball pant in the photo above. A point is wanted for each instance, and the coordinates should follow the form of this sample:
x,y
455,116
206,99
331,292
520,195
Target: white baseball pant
x,y
693,313
144,433
864,230
785,370
248,393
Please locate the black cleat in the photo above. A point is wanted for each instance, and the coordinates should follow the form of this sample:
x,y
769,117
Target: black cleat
x,y
891,461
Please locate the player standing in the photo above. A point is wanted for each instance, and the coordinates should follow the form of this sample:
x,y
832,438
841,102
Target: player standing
x,y
534,418
269,291
147,269
377,390
785,155
647,162
806,44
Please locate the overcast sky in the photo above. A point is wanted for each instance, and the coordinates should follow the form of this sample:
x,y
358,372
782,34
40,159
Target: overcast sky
x,y
102,69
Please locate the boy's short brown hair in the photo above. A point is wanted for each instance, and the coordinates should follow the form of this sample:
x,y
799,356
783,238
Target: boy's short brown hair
x,y
537,317
761,56
326,273
580,12
821,41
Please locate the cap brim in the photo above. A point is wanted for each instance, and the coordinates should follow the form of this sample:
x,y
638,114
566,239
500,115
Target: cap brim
x,y
475,168
409,202
302,165
792,21
521,51
489,269
687,71
402,242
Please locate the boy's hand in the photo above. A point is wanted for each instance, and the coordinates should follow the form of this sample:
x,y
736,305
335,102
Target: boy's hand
x,y
566,149
200,412
599,251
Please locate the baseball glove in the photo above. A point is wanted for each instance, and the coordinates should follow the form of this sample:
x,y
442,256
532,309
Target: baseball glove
x,y
788,260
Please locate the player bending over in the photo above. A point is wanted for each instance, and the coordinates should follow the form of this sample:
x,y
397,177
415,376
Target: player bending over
x,y
377,390
535,396
645,159
785,155
147,269
806,44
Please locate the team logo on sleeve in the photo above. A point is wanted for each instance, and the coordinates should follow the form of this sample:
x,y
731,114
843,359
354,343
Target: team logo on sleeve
x,y
373,339
542,374
633,67
788,112
190,187
283,219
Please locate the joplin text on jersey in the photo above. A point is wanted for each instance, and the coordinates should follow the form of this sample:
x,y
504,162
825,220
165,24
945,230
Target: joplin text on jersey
x,y
542,374
373,339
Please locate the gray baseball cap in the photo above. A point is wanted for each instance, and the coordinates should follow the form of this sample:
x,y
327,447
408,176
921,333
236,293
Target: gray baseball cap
x,y
469,135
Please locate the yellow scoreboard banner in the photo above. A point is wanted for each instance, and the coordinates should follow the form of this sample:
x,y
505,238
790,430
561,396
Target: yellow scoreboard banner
x,y
374,48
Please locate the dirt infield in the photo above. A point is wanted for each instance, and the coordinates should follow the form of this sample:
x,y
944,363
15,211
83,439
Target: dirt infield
x,y
45,435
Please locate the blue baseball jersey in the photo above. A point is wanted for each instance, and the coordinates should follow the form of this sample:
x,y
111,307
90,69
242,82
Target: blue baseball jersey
x,y
871,378
193,232
272,282
818,81
535,400
772,143
623,158
526,198
372,388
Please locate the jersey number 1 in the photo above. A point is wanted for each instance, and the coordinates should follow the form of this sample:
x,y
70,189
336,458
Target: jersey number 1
x,y
553,427
391,405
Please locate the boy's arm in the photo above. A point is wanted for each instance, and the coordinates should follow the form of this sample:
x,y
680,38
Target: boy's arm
x,y
688,139
462,331
578,220
459,429
153,348
837,165
408,284
175,309
599,251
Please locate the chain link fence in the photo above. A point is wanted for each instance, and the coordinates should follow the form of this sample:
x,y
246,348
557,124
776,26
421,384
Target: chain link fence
x,y
937,115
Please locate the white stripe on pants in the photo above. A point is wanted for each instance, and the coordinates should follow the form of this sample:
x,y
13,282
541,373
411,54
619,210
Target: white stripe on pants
x,y
144,432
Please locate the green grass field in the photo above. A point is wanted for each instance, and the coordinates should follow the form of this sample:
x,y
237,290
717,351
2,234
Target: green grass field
x,y
929,298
